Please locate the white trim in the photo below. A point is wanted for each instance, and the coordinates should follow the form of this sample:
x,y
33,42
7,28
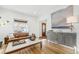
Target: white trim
x,y
61,45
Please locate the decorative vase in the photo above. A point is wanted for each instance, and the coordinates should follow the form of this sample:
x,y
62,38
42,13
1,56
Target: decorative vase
x,y
33,37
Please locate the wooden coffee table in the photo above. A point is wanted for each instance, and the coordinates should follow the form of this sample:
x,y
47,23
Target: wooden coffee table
x,y
11,49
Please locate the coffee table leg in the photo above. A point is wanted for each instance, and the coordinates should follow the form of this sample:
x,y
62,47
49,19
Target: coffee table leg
x,y
40,45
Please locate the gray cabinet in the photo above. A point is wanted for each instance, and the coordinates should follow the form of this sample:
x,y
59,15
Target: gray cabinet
x,y
70,39
52,36
60,39
65,38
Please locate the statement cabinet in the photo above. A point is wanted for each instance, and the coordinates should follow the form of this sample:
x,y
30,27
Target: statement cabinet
x,y
65,38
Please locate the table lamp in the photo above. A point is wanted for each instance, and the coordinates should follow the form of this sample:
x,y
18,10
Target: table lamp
x,y
71,20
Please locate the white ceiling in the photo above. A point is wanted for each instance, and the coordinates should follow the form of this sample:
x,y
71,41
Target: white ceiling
x,y
35,10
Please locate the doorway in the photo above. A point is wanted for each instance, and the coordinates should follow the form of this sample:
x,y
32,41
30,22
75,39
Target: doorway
x,y
43,30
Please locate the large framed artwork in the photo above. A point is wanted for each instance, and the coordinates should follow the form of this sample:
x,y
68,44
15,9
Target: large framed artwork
x,y
59,18
20,25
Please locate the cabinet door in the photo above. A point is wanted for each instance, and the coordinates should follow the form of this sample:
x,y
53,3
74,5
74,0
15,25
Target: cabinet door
x,y
70,39
60,39
52,36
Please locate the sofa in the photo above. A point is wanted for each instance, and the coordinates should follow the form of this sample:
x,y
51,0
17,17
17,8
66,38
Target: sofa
x,y
18,36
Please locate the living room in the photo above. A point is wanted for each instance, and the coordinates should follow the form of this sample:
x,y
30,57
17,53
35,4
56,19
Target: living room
x,y
38,21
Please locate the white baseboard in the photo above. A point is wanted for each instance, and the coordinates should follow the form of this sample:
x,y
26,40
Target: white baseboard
x,y
61,45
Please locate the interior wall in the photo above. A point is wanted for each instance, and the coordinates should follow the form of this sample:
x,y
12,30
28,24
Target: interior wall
x,y
76,25
47,16
76,10
9,15
33,22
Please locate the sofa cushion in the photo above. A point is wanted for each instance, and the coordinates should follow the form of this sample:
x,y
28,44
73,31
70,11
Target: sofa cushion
x,y
20,34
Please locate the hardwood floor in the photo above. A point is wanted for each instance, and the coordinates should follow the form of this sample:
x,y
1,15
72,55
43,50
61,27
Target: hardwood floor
x,y
48,48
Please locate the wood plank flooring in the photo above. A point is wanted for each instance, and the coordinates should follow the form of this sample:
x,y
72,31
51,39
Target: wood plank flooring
x,y
48,48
